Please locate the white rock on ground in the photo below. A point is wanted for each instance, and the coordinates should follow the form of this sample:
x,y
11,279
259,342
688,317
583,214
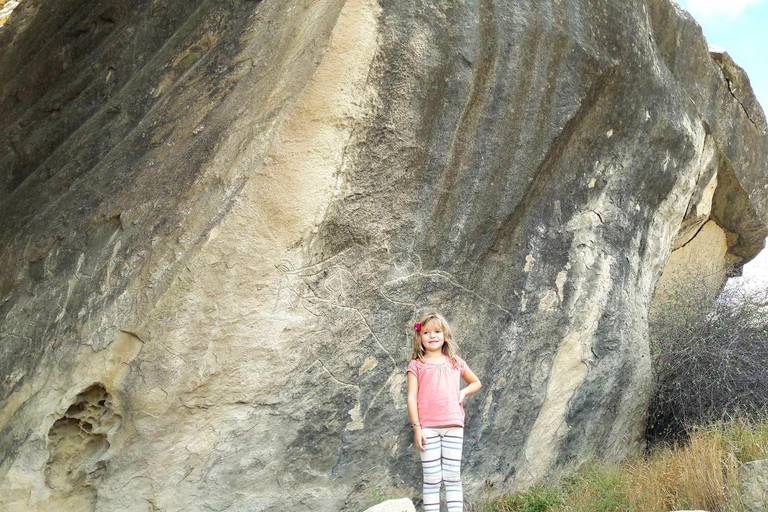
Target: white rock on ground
x,y
401,505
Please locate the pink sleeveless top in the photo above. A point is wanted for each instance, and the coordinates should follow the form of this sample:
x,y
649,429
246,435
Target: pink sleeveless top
x,y
439,390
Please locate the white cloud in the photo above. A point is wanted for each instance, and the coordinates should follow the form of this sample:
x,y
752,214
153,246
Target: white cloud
x,y
717,10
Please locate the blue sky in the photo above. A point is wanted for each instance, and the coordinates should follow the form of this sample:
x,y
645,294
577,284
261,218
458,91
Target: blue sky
x,y
741,28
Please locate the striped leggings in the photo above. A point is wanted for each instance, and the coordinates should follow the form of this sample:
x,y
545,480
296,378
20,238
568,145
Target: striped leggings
x,y
441,462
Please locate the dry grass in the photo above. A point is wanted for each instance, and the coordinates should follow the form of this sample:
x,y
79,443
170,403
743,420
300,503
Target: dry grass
x,y
746,440
700,474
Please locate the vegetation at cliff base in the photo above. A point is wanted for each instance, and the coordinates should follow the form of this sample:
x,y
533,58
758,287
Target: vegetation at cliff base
x,y
699,473
707,416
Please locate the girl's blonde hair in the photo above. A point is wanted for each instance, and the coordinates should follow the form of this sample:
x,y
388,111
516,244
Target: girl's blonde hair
x,y
450,348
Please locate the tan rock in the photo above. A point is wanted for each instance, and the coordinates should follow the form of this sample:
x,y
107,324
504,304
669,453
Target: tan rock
x,y
698,267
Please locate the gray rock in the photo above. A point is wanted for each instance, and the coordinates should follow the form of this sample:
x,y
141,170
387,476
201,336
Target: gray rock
x,y
753,485
220,219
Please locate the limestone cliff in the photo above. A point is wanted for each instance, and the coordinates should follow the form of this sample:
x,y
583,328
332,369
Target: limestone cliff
x,y
218,220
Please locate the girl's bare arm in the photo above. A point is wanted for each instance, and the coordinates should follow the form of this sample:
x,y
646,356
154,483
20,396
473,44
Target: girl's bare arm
x,y
473,384
419,439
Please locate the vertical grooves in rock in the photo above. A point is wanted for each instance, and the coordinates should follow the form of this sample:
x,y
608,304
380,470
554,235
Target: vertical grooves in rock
x,y
64,148
467,128
529,128
542,177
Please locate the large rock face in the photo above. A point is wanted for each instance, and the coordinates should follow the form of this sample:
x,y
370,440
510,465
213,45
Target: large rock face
x,y
219,220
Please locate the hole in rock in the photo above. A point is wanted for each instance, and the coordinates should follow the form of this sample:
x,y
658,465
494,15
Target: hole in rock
x,y
77,444
75,409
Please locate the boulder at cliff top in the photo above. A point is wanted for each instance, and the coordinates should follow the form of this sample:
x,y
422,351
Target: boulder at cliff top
x,y
219,219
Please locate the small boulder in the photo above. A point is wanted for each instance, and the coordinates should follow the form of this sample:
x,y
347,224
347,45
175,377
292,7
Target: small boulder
x,y
753,485
401,505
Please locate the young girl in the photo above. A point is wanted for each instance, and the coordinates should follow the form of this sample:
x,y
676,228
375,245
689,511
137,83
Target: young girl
x,y
435,406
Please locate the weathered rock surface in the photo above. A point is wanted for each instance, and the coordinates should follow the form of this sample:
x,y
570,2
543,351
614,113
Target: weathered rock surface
x,y
219,219
753,485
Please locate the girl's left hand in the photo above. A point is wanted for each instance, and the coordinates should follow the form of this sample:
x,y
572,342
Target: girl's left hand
x,y
462,396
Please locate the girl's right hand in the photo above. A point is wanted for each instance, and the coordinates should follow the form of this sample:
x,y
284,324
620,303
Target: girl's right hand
x,y
419,439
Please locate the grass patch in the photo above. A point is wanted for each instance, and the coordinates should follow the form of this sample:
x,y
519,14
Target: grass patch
x,y
698,474
536,499
596,488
